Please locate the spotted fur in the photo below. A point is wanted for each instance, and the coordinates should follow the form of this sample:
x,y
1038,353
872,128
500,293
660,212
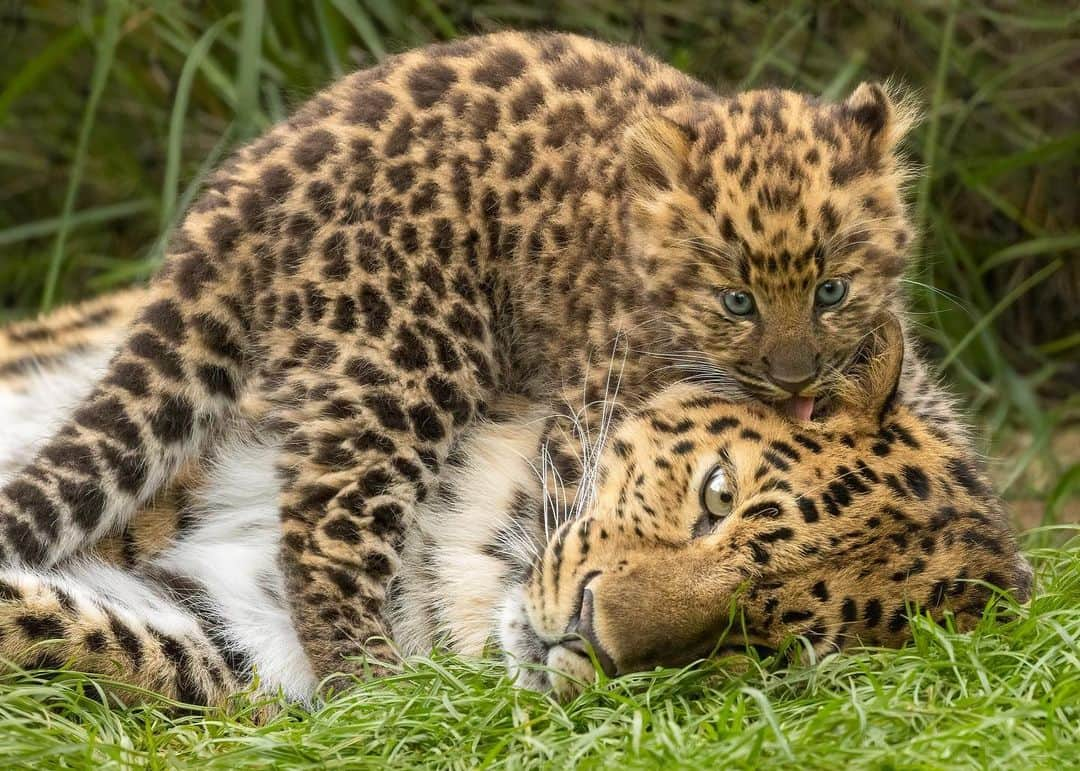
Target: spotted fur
x,y
460,222
838,530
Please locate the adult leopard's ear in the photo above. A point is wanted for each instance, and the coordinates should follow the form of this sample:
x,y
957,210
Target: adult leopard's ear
x,y
869,389
881,115
656,150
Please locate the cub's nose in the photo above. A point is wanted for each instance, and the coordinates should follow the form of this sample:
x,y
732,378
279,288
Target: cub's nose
x,y
793,386
792,366
580,634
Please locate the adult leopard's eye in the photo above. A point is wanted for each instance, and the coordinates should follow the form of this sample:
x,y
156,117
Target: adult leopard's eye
x,y
830,292
739,303
716,496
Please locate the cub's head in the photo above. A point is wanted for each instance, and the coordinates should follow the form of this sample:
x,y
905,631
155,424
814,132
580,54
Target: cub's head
x,y
778,221
706,511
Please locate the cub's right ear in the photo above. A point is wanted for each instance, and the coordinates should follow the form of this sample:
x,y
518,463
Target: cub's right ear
x,y
881,114
657,150
872,381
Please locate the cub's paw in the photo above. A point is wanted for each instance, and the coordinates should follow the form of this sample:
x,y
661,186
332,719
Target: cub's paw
x,y
352,663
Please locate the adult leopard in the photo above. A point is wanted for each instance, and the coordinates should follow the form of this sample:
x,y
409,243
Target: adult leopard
x,y
711,526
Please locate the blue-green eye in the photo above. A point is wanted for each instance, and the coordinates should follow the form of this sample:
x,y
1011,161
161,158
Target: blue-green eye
x,y
739,303
830,292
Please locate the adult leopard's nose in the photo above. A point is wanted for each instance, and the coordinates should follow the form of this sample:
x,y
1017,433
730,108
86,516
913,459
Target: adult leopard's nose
x,y
580,634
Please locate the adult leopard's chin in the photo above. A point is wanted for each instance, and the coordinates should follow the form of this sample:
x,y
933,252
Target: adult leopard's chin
x,y
562,670
526,654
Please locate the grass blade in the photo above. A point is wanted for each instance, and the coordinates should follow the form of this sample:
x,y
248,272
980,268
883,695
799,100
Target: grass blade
x,y
365,28
998,308
1032,248
937,99
438,18
96,216
247,71
179,111
26,78
110,35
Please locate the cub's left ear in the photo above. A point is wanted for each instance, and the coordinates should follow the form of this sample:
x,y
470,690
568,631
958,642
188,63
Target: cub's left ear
x,y
882,117
657,150
870,388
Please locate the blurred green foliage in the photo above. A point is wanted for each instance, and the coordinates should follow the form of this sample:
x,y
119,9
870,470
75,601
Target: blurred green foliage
x,y
111,111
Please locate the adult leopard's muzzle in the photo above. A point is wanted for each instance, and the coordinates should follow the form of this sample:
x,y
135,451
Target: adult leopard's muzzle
x,y
667,610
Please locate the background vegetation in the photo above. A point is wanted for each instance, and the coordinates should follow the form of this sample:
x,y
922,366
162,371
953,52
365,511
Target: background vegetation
x,y
112,111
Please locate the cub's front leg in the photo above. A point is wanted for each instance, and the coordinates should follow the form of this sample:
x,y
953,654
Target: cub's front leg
x,y
366,439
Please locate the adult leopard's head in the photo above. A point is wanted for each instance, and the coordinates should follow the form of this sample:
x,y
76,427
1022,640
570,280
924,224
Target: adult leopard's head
x,y
833,529
778,222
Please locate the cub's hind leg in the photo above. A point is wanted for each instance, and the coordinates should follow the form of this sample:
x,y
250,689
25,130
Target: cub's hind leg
x,y
101,620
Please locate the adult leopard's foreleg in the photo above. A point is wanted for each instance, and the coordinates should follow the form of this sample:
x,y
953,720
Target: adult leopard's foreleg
x,y
98,619
168,386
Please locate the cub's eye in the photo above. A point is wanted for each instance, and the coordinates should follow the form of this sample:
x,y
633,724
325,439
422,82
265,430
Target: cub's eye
x,y
716,495
739,303
830,292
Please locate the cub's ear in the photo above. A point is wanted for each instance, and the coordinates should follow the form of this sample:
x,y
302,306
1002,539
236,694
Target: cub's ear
x,y
883,117
869,388
657,150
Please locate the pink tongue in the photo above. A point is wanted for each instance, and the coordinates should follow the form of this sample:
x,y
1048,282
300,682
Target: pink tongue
x,y
801,407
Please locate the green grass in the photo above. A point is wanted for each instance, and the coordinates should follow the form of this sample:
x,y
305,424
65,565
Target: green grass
x,y
1005,696
111,113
